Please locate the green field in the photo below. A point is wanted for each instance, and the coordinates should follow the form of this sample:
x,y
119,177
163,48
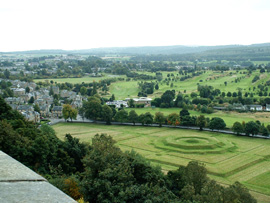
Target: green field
x,y
78,80
124,89
215,79
230,117
228,158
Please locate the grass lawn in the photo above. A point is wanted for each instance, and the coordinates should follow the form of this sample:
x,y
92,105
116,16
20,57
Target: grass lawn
x,y
123,89
212,78
228,158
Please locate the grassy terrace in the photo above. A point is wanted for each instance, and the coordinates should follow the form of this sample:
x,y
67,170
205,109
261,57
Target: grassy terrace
x,y
228,158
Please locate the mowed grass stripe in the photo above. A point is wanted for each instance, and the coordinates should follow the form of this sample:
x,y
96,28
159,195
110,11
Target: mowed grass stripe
x,y
205,158
262,180
251,173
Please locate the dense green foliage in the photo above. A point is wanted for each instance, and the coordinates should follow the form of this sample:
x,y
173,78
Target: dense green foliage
x,y
114,176
39,149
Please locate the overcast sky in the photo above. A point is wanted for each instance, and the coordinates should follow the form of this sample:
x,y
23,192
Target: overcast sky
x,y
84,24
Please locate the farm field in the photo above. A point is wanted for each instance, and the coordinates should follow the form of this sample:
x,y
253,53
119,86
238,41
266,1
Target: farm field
x,y
230,117
228,158
78,80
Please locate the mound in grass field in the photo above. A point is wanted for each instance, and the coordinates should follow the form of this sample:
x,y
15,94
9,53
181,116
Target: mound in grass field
x,y
194,144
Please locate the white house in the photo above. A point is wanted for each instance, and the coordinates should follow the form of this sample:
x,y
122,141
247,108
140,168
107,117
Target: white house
x,y
267,107
255,107
118,103
143,100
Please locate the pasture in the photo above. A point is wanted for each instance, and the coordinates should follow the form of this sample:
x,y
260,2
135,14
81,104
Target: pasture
x,y
228,158
77,80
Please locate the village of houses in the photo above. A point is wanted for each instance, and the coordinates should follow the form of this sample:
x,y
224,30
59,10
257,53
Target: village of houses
x,y
43,99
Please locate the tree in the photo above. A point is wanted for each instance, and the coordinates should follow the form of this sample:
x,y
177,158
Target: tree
x,y
81,112
251,128
195,175
113,176
47,130
94,90
27,89
92,109
177,180
188,121
237,193
205,91
156,86
56,97
31,100
264,131
237,128
159,118
121,115
36,108
148,118
83,90
212,192
112,98
193,95
131,103
173,119
179,100
105,165
201,122
229,94
77,150
168,97
51,93
217,123
159,76
107,114
69,112
94,98
141,118
133,117
6,74
184,112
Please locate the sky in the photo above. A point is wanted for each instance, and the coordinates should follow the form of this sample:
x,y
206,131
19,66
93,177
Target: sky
x,y
85,24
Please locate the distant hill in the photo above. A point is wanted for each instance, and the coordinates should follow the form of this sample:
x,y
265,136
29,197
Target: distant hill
x,y
42,51
177,49
255,52
258,52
